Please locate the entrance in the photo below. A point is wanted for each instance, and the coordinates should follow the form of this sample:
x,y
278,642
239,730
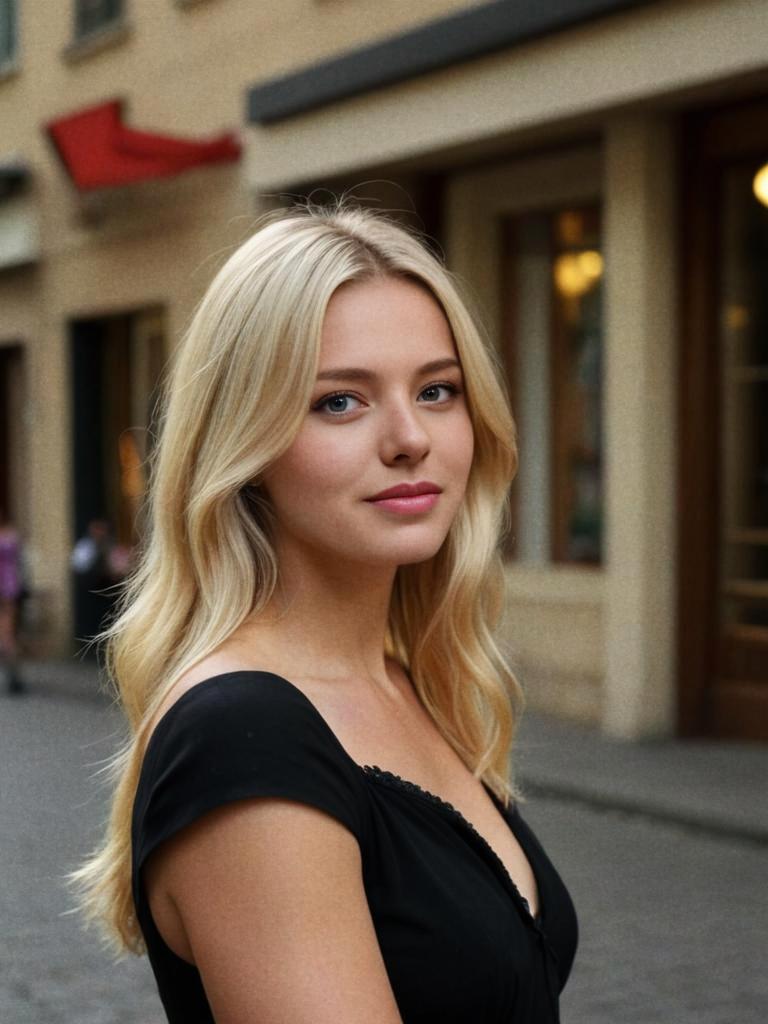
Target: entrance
x,y
116,367
724,425
12,435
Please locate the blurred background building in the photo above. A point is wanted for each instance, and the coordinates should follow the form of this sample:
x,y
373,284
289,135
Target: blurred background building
x,y
596,171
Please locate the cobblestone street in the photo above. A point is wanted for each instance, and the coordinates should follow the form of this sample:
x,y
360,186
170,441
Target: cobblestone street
x,y
674,921
51,971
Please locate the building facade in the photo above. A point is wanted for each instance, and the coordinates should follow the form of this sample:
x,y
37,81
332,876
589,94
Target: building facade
x,y
594,173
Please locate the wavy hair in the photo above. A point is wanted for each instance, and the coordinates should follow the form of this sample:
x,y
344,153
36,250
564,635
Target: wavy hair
x,y
233,401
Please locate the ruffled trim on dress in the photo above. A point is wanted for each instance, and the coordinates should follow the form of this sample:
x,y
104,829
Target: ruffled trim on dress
x,y
405,785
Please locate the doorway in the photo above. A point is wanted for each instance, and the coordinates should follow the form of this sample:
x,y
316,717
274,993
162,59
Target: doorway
x,y
12,434
117,363
724,425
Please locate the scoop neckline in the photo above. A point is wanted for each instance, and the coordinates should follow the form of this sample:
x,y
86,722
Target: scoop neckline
x,y
388,778
189,693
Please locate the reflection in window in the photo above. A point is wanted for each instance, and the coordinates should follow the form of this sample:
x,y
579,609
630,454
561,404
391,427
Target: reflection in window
x,y
554,328
577,345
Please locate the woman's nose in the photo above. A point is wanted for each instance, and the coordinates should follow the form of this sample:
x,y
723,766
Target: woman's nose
x,y
403,432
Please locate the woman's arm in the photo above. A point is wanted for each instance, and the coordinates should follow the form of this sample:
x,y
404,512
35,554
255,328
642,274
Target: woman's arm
x,y
269,904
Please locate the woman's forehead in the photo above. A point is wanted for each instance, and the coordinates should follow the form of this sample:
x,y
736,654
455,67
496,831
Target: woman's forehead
x,y
371,324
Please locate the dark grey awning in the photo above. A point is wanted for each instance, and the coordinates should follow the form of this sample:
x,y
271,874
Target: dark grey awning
x,y
483,30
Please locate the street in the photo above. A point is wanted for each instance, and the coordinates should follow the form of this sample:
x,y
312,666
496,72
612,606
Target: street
x,y
674,922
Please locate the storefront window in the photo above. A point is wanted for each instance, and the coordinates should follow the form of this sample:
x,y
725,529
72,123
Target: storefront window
x,y
556,334
744,397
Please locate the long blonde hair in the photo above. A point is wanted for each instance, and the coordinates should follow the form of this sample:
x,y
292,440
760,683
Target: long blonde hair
x,y
233,402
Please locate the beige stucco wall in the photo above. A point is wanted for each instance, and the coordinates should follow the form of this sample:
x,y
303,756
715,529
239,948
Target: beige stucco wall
x,y
641,382
554,633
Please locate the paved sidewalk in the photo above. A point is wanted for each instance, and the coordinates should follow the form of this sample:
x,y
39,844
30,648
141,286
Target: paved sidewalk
x,y
717,786
66,677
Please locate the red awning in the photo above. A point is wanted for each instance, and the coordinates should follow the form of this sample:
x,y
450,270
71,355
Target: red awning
x,y
98,150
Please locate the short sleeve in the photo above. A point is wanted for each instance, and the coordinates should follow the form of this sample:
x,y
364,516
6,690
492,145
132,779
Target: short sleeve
x,y
240,735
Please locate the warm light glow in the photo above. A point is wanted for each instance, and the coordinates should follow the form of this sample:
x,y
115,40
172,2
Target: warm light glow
x,y
576,272
760,185
591,263
570,227
736,318
132,482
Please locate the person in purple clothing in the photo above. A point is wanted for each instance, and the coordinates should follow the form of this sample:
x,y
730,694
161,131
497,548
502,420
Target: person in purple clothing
x,y
11,588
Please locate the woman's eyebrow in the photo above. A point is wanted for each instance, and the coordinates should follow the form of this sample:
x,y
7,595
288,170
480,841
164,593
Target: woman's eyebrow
x,y
357,373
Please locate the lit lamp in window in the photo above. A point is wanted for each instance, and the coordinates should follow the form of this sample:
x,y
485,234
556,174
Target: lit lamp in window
x,y
760,185
576,272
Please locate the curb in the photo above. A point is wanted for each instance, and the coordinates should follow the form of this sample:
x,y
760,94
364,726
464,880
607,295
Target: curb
x,y
714,827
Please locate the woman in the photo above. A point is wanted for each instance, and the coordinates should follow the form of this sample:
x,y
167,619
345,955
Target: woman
x,y
11,592
314,820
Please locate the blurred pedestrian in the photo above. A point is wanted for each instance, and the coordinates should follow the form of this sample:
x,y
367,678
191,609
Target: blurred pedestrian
x,y
90,553
11,591
97,563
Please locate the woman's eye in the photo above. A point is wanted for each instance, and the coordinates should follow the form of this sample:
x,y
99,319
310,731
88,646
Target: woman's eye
x,y
436,387
334,403
337,403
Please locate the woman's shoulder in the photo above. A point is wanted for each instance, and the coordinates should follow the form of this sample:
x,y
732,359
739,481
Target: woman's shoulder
x,y
219,684
213,704
230,732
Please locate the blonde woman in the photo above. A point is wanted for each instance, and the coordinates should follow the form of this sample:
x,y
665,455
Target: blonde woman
x,y
313,821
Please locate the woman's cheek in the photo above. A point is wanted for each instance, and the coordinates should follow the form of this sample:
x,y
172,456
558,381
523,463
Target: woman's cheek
x,y
337,459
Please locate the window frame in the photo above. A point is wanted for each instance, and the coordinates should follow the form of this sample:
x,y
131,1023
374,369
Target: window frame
x,y
110,22
478,203
9,61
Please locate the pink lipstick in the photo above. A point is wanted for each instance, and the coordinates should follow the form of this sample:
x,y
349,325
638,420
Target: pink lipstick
x,y
408,498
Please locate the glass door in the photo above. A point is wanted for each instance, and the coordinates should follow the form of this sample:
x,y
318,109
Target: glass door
x,y
723,422
743,342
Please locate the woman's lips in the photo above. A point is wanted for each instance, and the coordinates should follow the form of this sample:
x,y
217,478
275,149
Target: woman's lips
x,y
414,503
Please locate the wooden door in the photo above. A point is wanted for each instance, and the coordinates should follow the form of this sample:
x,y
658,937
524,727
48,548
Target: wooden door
x,y
724,425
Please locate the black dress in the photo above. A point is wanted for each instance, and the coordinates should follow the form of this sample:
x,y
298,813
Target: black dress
x,y
457,937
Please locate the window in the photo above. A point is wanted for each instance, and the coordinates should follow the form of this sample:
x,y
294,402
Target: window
x,y
553,273
92,15
7,32
743,328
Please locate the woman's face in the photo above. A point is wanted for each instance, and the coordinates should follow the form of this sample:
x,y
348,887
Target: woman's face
x,y
394,422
